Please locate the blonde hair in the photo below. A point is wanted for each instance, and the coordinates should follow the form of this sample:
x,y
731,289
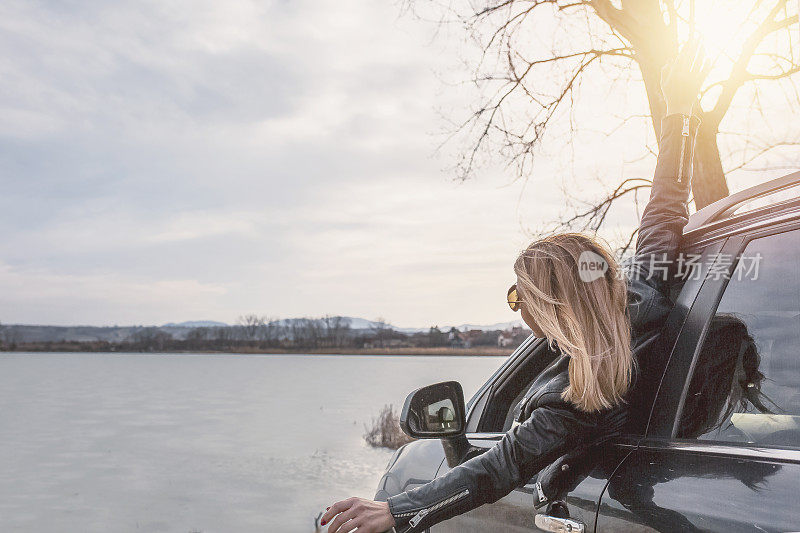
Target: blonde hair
x,y
586,315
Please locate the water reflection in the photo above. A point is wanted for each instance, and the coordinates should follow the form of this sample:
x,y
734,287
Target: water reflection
x,y
134,442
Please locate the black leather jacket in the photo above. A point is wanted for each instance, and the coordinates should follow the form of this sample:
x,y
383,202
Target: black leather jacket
x,y
552,429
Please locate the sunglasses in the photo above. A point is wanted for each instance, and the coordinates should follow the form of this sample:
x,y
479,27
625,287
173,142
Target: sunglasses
x,y
513,299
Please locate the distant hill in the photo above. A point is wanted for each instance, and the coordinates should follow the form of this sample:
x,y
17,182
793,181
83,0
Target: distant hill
x,y
21,333
363,323
492,327
354,322
196,324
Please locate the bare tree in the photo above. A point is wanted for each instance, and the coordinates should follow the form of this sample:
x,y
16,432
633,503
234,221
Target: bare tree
x,y
196,338
272,331
436,337
524,87
223,337
10,335
305,332
151,339
251,325
335,329
342,331
382,330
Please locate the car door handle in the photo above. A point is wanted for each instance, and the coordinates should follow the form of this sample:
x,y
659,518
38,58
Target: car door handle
x,y
558,525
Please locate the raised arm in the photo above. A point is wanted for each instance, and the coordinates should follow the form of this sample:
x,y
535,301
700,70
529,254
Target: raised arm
x,y
666,212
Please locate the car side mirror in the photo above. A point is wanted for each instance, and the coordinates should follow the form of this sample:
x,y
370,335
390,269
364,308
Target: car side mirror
x,y
435,412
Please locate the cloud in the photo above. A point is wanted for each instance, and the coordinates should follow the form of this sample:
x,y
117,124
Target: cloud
x,y
205,159
29,295
184,160
192,145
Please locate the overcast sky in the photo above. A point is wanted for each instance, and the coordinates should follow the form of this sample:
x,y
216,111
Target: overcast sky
x,y
170,161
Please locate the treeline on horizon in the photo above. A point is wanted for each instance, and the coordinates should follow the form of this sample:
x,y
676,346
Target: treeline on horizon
x,y
258,334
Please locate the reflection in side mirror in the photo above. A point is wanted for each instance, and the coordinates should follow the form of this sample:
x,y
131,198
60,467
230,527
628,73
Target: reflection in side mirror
x,y
434,412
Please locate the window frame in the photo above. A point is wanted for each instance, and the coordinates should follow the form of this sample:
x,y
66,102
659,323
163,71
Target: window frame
x,y
672,339
476,407
479,405
694,335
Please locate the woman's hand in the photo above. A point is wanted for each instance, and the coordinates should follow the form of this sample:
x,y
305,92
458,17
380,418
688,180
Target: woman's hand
x,y
359,515
681,78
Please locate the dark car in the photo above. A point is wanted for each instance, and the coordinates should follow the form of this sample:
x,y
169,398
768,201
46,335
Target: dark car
x,y
714,438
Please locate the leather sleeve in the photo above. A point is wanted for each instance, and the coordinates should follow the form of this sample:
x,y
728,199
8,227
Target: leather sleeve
x,y
552,429
663,220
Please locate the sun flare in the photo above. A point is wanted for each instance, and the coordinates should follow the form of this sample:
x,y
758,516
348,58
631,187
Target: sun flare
x,y
724,27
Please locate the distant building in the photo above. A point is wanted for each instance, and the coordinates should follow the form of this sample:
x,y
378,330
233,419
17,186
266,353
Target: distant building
x,y
505,339
454,338
465,339
512,337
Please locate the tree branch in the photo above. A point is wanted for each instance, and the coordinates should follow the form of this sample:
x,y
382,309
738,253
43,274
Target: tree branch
x,y
739,71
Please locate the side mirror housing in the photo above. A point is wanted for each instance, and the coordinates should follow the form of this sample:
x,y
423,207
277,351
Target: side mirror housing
x,y
435,412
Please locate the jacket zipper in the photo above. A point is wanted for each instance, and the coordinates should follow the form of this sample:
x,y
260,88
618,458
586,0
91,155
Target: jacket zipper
x,y
422,513
684,136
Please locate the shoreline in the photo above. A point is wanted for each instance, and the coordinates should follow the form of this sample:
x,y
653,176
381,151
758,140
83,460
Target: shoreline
x,y
478,351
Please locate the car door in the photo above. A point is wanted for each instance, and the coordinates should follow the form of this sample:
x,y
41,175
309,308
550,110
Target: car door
x,y
722,451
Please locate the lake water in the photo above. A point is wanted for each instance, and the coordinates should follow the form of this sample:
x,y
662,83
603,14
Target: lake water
x,y
196,443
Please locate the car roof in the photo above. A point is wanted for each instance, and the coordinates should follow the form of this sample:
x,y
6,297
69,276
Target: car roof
x,y
766,203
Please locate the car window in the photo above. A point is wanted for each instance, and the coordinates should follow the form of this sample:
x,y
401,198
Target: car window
x,y
516,407
746,383
508,387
